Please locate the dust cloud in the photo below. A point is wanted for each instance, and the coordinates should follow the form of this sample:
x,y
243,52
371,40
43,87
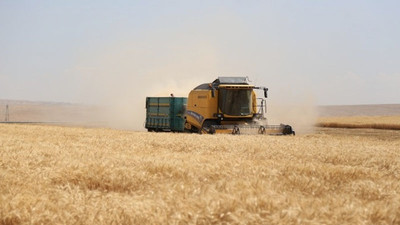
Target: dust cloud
x,y
299,111
121,76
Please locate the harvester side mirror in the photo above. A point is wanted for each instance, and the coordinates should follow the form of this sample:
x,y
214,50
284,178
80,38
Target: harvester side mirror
x,y
265,92
212,90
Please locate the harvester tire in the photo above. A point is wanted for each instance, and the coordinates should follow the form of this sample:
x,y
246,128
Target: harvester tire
x,y
261,130
235,130
212,130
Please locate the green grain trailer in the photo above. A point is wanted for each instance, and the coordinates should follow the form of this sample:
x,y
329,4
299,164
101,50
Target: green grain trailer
x,y
165,114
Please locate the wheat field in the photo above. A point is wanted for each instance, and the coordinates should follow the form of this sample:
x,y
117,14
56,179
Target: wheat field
x,y
72,175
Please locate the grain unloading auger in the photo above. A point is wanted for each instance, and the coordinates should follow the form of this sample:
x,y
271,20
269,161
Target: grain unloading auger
x,y
227,105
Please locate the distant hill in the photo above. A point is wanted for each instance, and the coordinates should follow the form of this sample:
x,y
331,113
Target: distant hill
x,y
80,114
51,112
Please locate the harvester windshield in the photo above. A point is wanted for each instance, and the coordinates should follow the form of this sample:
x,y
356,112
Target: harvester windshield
x,y
235,102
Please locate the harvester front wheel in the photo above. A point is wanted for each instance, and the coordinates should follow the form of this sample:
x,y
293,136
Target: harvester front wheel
x,y
208,126
261,130
235,130
212,130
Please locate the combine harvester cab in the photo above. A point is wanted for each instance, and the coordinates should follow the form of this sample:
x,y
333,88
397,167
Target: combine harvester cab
x,y
230,105
227,105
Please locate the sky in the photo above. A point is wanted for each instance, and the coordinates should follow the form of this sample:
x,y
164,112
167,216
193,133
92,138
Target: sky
x,y
119,52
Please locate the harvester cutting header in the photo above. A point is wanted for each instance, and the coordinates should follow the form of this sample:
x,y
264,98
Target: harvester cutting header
x,y
227,105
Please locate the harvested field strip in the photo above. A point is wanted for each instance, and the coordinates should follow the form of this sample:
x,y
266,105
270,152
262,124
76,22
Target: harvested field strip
x,y
361,126
367,122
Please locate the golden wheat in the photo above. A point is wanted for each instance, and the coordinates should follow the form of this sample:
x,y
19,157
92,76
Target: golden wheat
x,y
66,175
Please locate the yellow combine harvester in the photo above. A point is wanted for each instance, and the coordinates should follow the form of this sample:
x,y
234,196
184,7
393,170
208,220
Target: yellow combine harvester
x,y
227,105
